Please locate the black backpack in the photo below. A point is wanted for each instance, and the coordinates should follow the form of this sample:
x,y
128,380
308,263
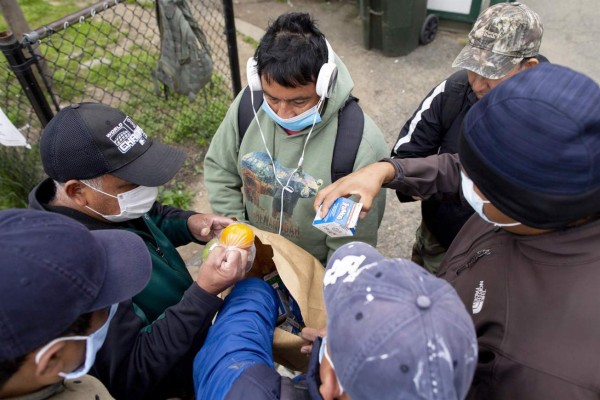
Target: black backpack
x,y
351,123
457,92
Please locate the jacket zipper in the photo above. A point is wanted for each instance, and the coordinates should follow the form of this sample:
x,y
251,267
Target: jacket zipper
x,y
473,260
155,242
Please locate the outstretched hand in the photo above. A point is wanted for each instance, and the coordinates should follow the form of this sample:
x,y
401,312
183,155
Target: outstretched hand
x,y
364,183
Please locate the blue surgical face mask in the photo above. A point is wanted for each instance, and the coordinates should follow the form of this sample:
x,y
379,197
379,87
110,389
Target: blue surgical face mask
x,y
93,343
477,202
297,123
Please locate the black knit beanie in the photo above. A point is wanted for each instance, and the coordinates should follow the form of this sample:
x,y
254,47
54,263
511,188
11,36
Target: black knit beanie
x,y
532,146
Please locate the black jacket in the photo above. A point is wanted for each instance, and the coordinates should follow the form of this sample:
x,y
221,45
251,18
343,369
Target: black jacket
x,y
139,361
435,128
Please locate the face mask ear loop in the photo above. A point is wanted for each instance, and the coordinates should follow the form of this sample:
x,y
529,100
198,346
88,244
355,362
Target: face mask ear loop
x,y
100,191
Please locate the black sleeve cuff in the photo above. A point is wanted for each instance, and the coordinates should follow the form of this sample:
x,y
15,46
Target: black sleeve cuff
x,y
200,295
399,176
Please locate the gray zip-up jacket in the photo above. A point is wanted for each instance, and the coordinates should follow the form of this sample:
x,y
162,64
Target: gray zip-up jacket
x,y
534,299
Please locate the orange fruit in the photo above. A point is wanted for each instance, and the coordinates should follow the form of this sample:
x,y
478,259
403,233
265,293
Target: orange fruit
x,y
237,235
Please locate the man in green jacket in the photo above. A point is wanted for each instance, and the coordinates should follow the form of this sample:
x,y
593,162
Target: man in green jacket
x,y
105,172
270,177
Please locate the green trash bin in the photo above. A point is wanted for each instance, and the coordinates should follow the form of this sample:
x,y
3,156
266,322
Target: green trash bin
x,y
395,26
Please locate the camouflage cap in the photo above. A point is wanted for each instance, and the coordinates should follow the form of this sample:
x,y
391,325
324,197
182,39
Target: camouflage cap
x,y
501,38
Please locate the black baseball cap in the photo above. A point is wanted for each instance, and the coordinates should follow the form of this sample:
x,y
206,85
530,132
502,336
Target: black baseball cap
x,y
87,140
54,269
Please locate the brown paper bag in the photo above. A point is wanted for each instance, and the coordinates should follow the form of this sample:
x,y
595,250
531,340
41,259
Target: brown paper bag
x,y
302,274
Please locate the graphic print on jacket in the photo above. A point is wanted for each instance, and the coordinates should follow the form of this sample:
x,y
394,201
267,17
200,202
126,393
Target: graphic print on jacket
x,y
259,179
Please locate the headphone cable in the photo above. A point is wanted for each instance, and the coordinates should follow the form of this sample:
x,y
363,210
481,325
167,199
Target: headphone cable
x,y
285,187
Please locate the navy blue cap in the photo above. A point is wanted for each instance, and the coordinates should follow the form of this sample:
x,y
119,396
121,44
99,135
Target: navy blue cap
x,y
532,146
54,269
87,140
394,330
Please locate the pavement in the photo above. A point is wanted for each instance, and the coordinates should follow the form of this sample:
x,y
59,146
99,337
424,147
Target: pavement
x,y
390,88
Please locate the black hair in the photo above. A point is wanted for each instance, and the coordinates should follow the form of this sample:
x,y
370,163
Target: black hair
x,y
10,367
292,51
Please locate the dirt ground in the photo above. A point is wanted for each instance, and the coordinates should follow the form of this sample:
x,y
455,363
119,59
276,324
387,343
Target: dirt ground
x,y
389,88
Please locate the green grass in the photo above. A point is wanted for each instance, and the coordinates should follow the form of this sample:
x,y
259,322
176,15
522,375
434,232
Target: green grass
x,y
84,59
39,13
16,183
196,122
174,119
250,40
81,46
175,194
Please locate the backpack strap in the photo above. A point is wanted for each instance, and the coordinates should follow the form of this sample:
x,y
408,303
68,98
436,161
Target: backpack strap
x,y
351,123
456,90
245,113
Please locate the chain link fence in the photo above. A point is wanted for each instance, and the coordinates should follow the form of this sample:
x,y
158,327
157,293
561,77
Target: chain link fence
x,y
109,53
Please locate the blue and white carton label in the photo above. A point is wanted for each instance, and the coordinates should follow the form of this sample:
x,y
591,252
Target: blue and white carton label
x,y
341,218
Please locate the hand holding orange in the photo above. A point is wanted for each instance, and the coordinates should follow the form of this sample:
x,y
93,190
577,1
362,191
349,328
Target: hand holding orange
x,y
235,236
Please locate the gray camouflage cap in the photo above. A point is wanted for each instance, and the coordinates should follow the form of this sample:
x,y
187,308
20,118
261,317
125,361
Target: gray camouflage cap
x,y
501,38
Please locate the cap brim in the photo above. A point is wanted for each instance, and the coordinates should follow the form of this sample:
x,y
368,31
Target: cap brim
x,y
485,63
128,266
155,167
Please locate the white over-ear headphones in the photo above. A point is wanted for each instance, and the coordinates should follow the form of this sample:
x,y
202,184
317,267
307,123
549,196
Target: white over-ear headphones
x,y
325,80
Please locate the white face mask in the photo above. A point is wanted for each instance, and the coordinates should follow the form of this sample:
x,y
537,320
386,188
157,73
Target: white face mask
x,y
93,343
324,352
133,203
477,202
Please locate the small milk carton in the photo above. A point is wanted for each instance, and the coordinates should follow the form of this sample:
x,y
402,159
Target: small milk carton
x,y
341,218
289,316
